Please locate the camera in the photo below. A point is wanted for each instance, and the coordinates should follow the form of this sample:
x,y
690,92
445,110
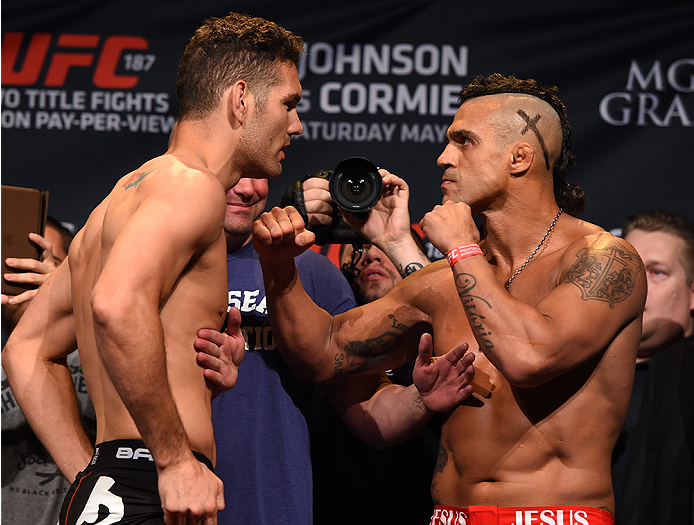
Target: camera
x,y
355,186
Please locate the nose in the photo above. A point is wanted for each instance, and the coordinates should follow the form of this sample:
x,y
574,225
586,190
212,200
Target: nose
x,y
244,188
371,254
445,160
295,125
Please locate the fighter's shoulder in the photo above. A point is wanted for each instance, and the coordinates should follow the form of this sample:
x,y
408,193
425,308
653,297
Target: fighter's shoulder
x,y
170,174
592,241
606,267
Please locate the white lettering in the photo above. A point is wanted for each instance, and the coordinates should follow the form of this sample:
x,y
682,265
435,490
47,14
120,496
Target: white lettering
x,y
11,98
581,517
672,75
547,517
635,75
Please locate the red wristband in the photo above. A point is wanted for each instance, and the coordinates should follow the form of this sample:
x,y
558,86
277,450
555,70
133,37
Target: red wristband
x,y
463,251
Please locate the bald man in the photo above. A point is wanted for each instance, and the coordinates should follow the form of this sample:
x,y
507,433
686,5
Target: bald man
x,y
551,306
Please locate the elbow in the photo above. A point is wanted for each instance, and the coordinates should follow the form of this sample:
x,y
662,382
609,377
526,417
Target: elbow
x,y
112,311
103,312
528,373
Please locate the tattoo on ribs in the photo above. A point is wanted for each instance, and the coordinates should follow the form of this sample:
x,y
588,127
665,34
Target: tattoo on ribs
x,y
605,274
135,179
465,283
441,460
531,124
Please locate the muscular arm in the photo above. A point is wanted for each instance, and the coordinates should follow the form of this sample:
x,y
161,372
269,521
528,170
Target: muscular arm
x,y
34,360
603,291
383,414
151,252
381,334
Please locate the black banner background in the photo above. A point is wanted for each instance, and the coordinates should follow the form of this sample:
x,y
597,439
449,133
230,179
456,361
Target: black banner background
x,y
635,59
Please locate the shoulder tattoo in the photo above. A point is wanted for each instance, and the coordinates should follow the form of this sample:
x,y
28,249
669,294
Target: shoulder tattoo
x,y
135,179
607,273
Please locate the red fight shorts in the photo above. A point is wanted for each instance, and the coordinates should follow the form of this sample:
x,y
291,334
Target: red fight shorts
x,y
493,515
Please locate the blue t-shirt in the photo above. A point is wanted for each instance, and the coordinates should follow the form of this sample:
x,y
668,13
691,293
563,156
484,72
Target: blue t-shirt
x,y
263,449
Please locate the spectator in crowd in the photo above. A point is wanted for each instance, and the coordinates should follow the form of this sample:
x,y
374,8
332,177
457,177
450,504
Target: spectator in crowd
x,y
32,486
655,485
551,306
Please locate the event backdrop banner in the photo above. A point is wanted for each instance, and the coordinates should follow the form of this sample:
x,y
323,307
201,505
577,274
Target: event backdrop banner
x,y
88,89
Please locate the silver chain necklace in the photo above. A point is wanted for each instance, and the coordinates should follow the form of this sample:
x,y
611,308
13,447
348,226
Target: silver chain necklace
x,y
549,230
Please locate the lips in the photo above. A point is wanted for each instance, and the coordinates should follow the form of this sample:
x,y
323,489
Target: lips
x,y
370,274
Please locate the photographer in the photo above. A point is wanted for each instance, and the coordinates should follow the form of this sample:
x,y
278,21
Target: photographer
x,y
388,251
387,224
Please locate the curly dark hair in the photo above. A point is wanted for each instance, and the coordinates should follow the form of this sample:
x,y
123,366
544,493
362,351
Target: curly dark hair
x,y
224,50
569,196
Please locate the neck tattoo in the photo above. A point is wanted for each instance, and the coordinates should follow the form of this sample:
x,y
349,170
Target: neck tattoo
x,y
549,230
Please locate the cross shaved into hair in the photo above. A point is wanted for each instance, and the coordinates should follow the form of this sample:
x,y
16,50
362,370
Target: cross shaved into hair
x,y
530,123
569,196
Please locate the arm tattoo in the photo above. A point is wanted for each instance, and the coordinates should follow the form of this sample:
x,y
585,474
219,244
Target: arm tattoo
x,y
135,179
465,283
531,124
605,274
361,355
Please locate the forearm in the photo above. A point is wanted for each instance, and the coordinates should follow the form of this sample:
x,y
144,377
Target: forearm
x,y
46,395
405,255
392,415
132,349
298,324
513,335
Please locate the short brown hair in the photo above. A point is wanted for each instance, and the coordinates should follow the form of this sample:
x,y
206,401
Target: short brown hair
x,y
225,50
668,222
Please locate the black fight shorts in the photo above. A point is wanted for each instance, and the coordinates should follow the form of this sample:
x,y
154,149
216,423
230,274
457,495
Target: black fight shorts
x,y
118,486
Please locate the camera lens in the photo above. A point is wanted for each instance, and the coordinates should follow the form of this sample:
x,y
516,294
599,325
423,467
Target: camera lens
x,y
356,185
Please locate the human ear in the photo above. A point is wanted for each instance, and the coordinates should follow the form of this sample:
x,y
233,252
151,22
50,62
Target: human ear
x,y
238,101
522,155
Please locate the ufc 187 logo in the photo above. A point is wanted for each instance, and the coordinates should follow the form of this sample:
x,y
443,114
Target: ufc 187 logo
x,y
25,57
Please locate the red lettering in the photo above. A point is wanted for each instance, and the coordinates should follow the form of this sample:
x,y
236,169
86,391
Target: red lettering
x,y
62,62
31,68
105,74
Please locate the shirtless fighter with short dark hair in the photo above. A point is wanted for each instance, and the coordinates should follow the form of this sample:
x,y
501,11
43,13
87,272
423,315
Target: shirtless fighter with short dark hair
x,y
551,306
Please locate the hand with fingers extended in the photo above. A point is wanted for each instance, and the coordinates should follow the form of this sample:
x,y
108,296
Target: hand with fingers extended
x,y
220,354
36,271
443,382
280,234
190,493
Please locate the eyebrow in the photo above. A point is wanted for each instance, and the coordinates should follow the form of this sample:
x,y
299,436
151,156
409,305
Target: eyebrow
x,y
463,133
